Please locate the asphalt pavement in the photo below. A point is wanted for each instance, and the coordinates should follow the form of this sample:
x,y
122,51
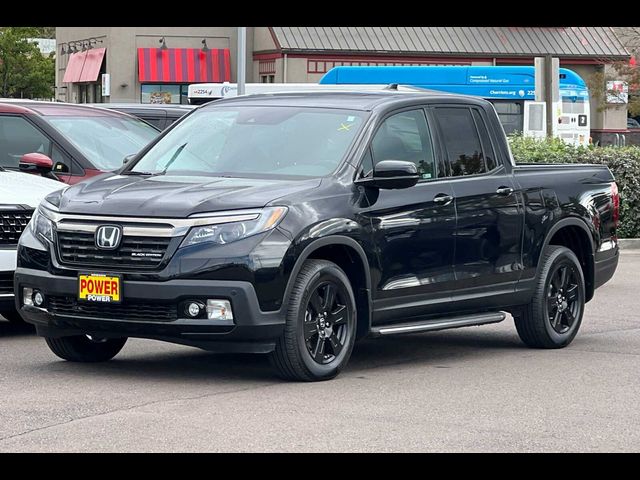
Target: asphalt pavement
x,y
472,389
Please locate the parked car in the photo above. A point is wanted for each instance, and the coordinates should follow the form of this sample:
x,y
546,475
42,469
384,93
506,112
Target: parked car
x,y
20,195
67,142
632,123
292,224
160,115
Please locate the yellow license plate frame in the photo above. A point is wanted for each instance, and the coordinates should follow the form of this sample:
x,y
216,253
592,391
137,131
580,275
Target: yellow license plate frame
x,y
99,288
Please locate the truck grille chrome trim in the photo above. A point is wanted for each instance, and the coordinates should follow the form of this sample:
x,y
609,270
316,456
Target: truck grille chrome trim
x,y
147,227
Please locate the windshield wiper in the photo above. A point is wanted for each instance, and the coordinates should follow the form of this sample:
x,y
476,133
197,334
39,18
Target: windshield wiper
x,y
173,158
135,172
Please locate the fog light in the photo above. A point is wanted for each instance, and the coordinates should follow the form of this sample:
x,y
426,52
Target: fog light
x,y
193,309
219,310
27,296
38,298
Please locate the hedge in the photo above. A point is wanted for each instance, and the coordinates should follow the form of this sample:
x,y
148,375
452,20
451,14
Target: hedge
x,y
624,163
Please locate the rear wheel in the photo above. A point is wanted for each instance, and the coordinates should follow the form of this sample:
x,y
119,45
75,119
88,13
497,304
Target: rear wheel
x,y
84,348
320,326
553,317
13,316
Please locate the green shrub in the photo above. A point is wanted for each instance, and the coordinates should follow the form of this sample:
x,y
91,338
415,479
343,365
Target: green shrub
x,y
623,162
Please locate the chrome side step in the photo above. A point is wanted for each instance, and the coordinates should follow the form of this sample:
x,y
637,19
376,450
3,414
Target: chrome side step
x,y
439,324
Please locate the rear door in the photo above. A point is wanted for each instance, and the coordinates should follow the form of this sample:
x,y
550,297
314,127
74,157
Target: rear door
x,y
488,233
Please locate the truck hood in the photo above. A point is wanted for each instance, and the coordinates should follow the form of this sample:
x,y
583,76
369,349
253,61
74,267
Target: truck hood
x,y
17,188
172,196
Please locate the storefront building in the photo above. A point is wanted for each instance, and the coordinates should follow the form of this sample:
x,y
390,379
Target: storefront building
x,y
156,64
141,64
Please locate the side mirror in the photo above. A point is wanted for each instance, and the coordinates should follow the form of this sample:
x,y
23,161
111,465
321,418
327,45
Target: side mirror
x,y
128,158
393,174
36,163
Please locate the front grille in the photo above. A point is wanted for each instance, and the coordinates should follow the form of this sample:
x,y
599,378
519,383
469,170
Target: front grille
x,y
6,283
135,252
128,310
12,224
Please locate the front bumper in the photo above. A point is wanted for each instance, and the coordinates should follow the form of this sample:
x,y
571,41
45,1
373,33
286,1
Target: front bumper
x,y
253,330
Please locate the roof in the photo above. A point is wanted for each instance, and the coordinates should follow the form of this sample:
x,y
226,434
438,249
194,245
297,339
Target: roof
x,y
600,42
365,101
57,108
145,106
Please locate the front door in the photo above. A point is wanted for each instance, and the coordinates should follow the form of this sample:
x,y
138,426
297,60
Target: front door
x,y
489,219
413,228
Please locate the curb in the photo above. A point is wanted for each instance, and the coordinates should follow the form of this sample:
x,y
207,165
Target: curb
x,y
629,243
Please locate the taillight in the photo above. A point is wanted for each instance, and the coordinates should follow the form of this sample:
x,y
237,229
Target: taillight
x,y
615,196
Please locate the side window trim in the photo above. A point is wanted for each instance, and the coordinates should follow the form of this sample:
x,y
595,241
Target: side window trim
x,y
441,159
491,142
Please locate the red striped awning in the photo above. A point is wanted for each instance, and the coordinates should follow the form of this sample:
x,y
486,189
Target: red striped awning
x,y
84,66
183,65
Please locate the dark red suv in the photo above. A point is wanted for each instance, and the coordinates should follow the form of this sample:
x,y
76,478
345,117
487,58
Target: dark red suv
x,y
66,141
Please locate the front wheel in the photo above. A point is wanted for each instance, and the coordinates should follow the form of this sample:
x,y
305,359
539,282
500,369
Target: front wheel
x,y
553,317
85,349
320,326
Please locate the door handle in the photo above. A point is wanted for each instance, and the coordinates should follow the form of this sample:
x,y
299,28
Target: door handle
x,y
442,199
504,191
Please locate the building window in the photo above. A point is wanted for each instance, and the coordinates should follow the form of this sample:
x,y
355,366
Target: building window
x,y
267,67
267,78
317,66
163,93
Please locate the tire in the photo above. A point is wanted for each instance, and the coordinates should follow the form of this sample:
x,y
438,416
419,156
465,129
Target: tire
x,y
310,349
80,348
13,316
553,317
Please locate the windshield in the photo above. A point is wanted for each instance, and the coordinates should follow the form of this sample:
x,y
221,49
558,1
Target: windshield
x,y
249,141
105,140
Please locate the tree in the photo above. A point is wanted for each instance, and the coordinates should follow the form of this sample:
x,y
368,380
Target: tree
x,y
627,71
24,71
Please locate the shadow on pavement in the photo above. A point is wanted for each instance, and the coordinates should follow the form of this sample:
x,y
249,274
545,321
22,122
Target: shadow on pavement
x,y
433,350
15,329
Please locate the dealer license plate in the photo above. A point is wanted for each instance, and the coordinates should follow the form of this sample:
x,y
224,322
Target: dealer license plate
x,y
99,288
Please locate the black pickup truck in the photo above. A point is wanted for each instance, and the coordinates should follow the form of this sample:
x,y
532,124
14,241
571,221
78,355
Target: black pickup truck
x,y
294,224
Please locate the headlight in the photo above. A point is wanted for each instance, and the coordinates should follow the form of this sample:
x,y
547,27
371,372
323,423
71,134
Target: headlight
x,y
231,231
41,226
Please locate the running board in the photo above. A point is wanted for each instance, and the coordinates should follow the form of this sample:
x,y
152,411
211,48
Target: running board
x,y
439,324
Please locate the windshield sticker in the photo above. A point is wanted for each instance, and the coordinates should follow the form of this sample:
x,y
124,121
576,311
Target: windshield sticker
x,y
345,126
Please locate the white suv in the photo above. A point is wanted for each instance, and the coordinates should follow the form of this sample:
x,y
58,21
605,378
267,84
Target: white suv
x,y
20,195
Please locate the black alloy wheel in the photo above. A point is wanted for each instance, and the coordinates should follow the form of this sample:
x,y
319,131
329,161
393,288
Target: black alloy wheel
x,y
563,297
320,324
553,316
325,323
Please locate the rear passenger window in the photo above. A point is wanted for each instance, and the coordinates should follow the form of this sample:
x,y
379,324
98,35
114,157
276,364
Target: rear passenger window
x,y
405,136
487,148
461,140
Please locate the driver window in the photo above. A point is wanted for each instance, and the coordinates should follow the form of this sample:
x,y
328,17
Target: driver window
x,y
405,136
17,137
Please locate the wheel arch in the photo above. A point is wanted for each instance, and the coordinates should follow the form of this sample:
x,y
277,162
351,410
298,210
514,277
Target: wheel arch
x,y
574,234
350,256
